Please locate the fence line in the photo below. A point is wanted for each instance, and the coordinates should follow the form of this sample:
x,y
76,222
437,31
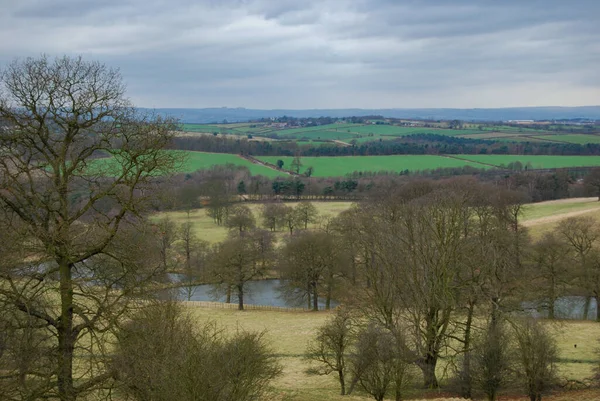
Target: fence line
x,y
224,305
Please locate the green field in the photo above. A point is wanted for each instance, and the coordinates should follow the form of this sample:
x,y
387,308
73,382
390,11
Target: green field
x,y
537,162
202,161
329,166
400,131
581,139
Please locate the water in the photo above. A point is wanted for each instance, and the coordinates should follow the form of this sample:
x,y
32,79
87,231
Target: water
x,y
569,307
256,292
268,293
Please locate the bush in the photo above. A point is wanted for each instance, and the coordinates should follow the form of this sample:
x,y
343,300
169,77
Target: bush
x,y
160,357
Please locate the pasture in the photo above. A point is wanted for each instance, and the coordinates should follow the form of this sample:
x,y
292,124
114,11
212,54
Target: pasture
x,y
537,162
201,161
206,229
289,332
330,166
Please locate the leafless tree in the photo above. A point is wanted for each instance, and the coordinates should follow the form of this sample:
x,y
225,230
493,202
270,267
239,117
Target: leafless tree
x,y
331,345
240,259
306,213
582,235
537,354
78,215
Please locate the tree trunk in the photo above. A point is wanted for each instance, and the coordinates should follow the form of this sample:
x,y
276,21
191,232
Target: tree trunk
x,y
597,309
466,381
428,368
342,382
240,289
66,340
315,298
308,297
228,295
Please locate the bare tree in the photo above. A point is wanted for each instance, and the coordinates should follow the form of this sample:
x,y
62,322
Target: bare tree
x,y
273,216
582,234
240,218
168,234
309,263
195,255
537,356
550,268
240,259
493,361
306,213
331,345
61,115
380,360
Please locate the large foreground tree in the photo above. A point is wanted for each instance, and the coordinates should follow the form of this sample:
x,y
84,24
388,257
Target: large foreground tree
x,y
83,251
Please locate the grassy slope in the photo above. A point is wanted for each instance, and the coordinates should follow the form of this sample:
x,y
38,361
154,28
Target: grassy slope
x,y
327,166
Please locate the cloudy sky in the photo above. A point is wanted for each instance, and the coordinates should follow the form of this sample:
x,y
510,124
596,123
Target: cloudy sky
x,y
324,53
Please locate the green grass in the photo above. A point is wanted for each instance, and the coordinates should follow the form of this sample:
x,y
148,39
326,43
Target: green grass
x,y
327,127
206,229
580,139
329,166
537,162
340,135
400,131
201,161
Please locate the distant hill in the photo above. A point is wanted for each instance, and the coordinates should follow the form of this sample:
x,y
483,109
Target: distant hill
x,y
217,115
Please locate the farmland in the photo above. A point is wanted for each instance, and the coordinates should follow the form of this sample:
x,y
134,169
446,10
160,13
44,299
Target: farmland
x,y
340,166
537,162
200,161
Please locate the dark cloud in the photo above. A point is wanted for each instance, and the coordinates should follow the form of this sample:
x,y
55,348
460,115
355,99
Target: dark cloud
x,y
324,53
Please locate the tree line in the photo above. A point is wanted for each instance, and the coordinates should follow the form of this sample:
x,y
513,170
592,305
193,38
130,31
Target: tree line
x,y
416,144
426,270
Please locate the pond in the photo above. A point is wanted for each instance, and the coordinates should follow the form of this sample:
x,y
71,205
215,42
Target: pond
x,y
257,292
269,293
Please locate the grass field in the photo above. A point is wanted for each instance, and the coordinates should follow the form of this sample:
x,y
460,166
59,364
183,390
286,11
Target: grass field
x,y
339,166
289,332
206,229
580,139
201,161
400,131
536,161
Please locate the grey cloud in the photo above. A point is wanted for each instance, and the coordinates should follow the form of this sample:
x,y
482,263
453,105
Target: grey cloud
x,y
324,53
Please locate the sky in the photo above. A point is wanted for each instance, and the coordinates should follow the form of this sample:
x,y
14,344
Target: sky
x,y
303,54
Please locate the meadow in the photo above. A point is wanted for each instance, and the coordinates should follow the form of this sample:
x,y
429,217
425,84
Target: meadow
x,y
537,162
580,139
201,161
330,166
206,229
288,334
